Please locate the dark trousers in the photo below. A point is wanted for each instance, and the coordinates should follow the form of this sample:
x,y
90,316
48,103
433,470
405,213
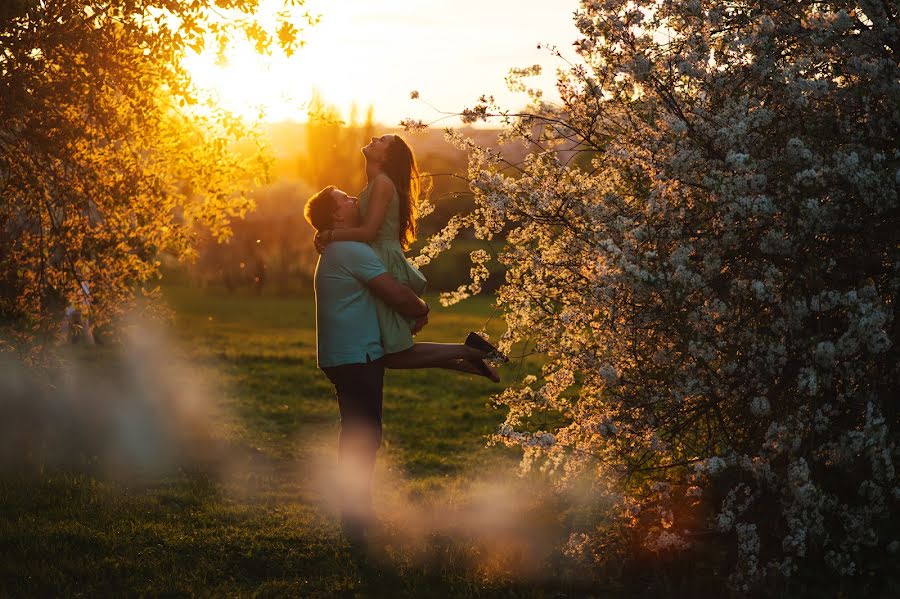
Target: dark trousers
x,y
359,391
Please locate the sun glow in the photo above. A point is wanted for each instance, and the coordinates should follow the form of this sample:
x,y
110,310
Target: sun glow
x,y
375,53
275,87
252,85
271,86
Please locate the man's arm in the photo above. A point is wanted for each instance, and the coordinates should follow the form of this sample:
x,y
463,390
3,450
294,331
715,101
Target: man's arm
x,y
398,296
364,264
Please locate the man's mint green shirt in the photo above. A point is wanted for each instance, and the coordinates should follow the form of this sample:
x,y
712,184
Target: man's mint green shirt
x,y
347,329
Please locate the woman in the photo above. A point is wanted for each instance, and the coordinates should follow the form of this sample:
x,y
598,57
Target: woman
x,y
389,207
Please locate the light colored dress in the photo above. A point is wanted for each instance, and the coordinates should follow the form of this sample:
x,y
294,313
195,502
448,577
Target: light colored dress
x,y
395,329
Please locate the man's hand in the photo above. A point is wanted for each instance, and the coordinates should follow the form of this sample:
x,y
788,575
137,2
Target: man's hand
x,y
399,297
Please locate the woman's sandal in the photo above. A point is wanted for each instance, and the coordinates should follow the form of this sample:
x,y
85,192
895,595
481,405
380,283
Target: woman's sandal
x,y
485,370
478,342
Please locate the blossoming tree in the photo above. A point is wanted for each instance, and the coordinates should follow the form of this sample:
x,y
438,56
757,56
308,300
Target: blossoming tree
x,y
704,243
107,155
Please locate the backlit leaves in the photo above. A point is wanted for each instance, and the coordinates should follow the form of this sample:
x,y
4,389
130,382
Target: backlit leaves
x,y
105,162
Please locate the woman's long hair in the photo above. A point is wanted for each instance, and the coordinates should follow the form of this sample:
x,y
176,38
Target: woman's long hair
x,y
400,166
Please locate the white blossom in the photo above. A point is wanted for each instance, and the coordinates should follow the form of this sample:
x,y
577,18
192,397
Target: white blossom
x,y
701,244
760,406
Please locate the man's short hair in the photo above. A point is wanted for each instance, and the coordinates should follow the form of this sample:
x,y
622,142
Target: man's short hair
x,y
319,211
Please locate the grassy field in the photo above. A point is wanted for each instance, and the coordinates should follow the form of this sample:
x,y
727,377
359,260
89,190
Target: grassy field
x,y
255,516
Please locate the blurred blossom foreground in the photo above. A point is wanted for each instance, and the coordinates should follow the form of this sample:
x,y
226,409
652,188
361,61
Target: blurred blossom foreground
x,y
139,412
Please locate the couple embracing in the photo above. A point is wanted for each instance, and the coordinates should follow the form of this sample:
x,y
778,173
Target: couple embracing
x,y
368,307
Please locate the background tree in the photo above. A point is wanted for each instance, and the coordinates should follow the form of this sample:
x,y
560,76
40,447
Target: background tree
x,y
107,157
271,247
716,288
275,239
333,146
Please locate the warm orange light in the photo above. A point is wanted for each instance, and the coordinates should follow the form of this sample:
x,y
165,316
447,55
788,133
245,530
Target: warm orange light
x,y
276,87
375,53
250,85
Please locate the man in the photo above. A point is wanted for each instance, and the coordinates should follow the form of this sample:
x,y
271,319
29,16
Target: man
x,y
348,342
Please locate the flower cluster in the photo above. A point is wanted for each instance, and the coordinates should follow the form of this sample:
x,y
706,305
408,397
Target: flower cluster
x,y
705,246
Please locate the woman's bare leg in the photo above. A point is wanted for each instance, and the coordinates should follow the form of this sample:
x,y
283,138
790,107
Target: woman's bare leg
x,y
469,367
450,356
431,355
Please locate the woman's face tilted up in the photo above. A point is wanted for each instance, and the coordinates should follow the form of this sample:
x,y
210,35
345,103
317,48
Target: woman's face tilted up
x,y
376,150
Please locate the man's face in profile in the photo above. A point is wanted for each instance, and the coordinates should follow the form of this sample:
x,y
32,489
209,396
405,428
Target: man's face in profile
x,y
346,210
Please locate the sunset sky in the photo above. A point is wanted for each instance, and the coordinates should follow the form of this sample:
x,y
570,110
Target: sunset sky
x,y
376,52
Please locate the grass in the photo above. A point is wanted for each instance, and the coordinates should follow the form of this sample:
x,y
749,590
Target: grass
x,y
263,526
265,349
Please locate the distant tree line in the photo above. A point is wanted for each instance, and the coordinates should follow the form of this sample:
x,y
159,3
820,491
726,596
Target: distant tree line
x,y
271,247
